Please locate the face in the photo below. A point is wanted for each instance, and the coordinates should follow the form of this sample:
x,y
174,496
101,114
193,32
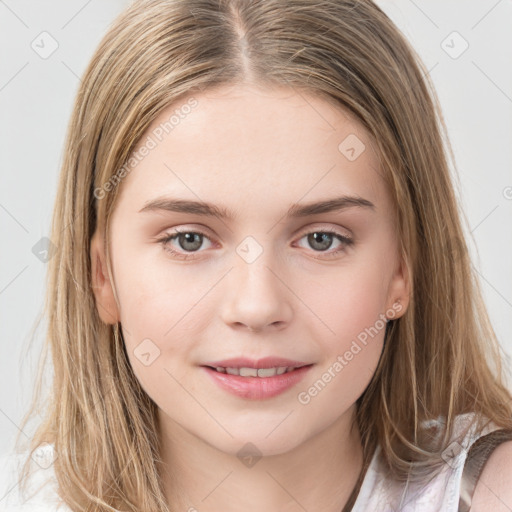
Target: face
x,y
268,275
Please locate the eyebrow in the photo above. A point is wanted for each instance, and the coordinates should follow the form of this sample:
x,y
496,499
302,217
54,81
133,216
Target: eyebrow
x,y
295,211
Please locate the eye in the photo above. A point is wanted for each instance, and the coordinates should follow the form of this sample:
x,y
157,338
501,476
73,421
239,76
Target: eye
x,y
322,240
187,241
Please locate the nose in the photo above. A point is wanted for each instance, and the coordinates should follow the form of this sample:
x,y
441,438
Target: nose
x,y
256,297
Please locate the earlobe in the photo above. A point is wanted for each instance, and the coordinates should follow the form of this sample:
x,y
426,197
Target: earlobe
x,y
101,285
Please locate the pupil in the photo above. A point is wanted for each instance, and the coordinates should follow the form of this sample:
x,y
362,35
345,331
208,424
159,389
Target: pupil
x,y
313,239
189,238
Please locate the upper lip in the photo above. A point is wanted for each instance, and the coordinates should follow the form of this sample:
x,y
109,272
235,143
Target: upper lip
x,y
266,362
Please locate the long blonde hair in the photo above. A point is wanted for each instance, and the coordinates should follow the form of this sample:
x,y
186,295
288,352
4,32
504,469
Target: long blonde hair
x,y
441,358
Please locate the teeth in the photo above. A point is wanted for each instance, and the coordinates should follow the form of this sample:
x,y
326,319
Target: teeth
x,y
255,372
248,372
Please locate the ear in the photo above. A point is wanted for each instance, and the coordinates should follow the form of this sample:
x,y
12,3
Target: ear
x,y
102,288
399,291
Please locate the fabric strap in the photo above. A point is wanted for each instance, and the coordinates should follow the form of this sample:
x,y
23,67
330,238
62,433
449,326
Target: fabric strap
x,y
478,455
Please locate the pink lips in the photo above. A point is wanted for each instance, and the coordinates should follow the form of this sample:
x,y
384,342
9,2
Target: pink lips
x,y
266,362
257,388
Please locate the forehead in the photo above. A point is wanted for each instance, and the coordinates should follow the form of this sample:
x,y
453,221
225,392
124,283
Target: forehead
x,y
253,144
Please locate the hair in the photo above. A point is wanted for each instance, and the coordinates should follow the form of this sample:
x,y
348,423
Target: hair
x,y
440,359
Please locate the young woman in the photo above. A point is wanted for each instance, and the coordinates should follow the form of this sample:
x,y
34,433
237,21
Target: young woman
x,y
262,296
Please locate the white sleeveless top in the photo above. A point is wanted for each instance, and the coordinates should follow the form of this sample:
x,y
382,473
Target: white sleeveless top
x,y
377,493
451,490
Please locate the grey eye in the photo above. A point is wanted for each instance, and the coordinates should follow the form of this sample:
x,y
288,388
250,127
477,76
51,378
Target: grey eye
x,y
320,240
189,241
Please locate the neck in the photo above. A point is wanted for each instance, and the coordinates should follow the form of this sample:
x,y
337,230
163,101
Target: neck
x,y
318,474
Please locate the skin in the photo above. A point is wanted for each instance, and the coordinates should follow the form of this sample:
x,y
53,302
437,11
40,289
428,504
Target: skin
x,y
255,151
493,490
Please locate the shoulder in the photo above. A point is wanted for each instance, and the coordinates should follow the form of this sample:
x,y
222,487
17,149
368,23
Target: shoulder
x,y
449,483
494,487
40,494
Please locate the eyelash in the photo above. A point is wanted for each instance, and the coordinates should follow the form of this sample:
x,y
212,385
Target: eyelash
x,y
346,242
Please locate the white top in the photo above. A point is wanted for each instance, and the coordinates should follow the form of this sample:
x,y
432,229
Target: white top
x,y
441,493
42,489
377,492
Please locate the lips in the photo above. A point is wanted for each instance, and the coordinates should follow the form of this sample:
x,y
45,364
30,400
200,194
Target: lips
x,y
266,362
257,379
255,372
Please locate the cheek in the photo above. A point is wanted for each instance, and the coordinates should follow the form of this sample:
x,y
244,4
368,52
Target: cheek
x,y
338,383
157,319
352,301
155,294
353,308
158,338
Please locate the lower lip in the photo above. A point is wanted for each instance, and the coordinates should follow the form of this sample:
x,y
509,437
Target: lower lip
x,y
257,388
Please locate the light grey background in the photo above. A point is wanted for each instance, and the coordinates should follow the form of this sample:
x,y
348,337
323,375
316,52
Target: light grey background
x,y
36,95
